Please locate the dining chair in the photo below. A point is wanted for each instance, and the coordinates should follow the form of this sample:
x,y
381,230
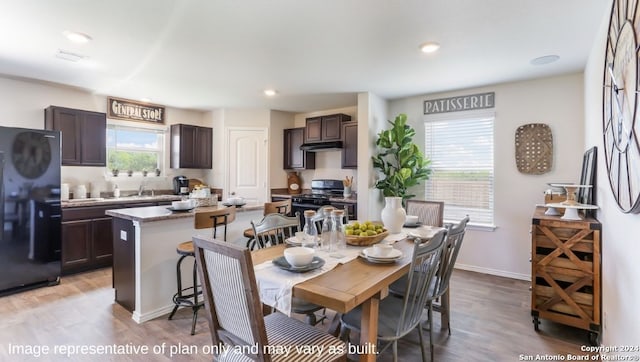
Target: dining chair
x,y
188,297
397,317
273,229
234,311
428,212
453,243
283,207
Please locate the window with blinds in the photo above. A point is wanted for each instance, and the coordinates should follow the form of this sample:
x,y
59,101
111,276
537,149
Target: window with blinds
x,y
461,153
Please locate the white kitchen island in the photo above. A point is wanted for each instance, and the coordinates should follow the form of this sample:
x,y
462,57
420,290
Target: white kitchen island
x,y
144,254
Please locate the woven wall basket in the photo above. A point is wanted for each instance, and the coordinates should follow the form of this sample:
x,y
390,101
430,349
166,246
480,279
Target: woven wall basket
x,y
534,148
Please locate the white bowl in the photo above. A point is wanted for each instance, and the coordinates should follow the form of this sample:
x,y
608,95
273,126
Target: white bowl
x,y
382,250
299,256
181,205
411,220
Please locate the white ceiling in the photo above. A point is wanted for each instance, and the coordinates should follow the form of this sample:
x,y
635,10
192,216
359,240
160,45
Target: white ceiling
x,y
206,54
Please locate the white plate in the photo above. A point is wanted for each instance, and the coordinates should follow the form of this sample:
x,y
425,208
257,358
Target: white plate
x,y
423,232
293,241
376,260
394,254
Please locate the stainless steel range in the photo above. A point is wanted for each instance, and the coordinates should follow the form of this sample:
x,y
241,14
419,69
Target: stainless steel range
x,y
321,192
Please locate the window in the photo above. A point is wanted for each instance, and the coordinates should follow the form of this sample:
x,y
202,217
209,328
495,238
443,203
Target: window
x,y
134,149
461,152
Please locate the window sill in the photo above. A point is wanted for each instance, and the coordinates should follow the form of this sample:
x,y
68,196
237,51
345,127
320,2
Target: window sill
x,y
477,227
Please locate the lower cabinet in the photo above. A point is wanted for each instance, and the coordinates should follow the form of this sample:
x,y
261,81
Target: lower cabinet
x,y
86,244
352,208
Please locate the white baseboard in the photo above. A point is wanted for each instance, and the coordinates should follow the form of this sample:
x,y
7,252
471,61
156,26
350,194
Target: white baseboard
x,y
140,318
500,273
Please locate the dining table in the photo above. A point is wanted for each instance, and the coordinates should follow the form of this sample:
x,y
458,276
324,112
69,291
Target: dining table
x,y
348,285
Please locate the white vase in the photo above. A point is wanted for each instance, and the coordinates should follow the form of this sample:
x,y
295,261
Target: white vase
x,y
393,215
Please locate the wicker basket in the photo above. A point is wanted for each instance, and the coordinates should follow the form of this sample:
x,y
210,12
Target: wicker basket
x,y
366,240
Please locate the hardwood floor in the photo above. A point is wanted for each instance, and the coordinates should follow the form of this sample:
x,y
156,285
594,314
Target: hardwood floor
x,y
490,322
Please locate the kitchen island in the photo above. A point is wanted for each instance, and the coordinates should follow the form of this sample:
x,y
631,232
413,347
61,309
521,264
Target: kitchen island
x,y
144,254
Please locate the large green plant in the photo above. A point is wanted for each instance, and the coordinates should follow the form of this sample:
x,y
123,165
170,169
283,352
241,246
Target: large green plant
x,y
400,160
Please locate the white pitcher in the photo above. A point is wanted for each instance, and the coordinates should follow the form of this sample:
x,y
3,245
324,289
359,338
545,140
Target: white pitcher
x,y
393,215
80,192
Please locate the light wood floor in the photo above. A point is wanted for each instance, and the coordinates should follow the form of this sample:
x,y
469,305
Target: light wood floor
x,y
490,321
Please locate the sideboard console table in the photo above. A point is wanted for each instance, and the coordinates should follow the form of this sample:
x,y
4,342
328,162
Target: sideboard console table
x,y
565,272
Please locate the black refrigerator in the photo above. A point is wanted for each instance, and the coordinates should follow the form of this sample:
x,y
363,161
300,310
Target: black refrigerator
x,y
30,212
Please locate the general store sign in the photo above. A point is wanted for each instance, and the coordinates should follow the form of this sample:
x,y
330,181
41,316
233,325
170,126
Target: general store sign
x,y
460,103
135,111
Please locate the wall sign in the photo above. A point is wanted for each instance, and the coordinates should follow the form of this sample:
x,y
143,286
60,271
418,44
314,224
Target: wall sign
x,y
460,103
134,111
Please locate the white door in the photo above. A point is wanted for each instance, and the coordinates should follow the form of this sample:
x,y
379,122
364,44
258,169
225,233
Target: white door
x,y
247,167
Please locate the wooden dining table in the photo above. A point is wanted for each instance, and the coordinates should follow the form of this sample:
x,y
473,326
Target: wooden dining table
x,y
349,285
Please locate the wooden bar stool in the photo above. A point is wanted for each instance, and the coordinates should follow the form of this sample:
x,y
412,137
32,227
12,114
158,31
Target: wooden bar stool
x,y
190,296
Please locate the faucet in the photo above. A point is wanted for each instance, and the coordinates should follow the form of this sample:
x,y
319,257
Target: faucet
x,y
141,189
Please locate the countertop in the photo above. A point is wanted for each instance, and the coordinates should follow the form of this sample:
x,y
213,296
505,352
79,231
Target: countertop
x,y
159,213
100,201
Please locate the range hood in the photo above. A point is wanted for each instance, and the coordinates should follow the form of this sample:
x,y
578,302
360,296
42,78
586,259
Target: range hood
x,y
321,146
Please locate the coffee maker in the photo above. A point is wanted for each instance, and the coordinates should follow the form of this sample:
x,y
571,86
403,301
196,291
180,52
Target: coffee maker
x,y
181,185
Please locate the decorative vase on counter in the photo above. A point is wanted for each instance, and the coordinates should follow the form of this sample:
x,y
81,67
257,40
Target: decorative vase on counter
x,y
393,214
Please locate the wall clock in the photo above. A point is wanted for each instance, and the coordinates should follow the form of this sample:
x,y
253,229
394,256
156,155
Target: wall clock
x,y
620,123
31,154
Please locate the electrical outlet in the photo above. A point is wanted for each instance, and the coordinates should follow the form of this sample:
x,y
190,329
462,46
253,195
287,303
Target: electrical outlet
x,y
123,235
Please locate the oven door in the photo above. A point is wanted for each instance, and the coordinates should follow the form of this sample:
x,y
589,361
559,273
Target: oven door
x,y
300,207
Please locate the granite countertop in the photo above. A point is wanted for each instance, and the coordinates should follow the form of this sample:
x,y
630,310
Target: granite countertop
x,y
106,201
159,213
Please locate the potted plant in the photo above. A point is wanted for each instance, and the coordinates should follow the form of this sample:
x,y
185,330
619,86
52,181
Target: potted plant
x,y
399,160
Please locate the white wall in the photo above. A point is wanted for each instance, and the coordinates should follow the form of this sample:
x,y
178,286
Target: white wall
x,y
620,248
22,104
556,101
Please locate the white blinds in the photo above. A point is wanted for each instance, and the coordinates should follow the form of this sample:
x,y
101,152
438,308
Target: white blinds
x,y
461,153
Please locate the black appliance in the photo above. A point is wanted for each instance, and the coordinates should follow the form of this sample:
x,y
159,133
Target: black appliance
x,y
30,214
181,185
321,146
321,193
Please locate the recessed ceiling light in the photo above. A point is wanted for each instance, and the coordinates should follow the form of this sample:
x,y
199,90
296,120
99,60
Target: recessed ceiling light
x,y
77,37
270,92
429,47
544,59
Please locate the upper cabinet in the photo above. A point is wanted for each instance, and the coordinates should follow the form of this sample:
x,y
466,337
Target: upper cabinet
x,y
325,128
191,146
294,157
84,135
350,145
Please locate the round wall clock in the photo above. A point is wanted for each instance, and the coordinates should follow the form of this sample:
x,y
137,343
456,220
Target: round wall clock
x,y
31,154
620,123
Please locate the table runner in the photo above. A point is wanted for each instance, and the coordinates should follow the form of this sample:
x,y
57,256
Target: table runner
x,y
275,284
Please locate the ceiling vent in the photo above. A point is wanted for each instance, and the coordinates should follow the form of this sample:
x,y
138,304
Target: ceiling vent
x,y
70,56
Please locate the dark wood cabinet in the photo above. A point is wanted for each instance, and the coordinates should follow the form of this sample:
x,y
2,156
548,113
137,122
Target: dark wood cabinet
x,y
124,263
294,157
191,146
87,241
84,135
351,208
325,128
350,145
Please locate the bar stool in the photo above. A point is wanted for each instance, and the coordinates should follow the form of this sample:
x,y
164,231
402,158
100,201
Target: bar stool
x,y
190,296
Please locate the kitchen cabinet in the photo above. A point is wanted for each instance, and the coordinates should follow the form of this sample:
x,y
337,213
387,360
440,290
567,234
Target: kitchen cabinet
x,y
325,128
350,145
87,239
565,272
294,157
351,207
83,135
191,146
124,263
